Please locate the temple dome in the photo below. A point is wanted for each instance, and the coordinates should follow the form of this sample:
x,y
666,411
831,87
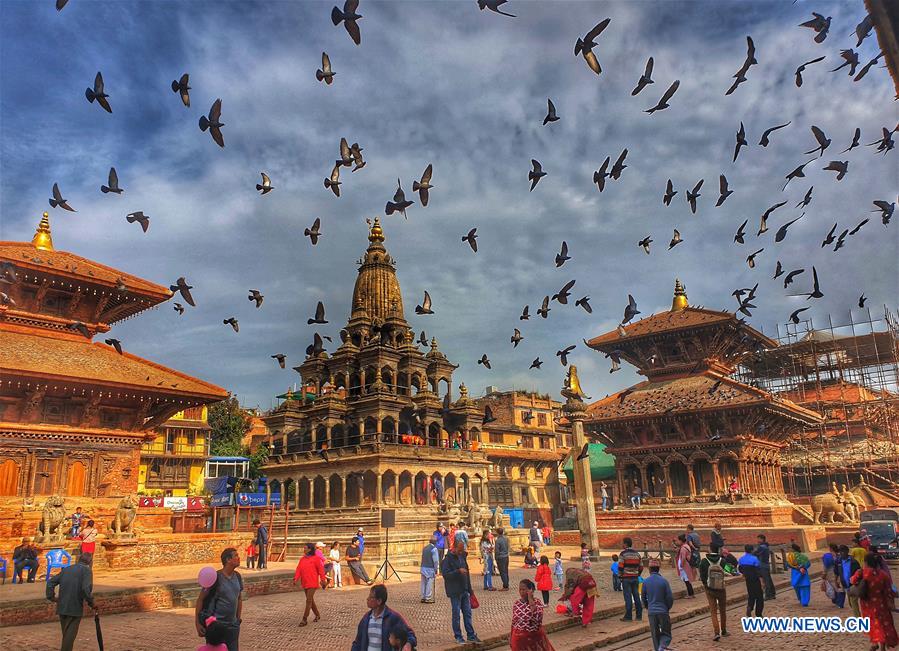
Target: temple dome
x,y
376,295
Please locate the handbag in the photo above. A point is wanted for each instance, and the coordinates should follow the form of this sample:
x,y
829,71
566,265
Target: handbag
x,y
474,601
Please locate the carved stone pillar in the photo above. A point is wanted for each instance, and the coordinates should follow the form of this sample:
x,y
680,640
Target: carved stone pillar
x,y
575,410
378,498
327,492
396,488
716,478
668,490
342,491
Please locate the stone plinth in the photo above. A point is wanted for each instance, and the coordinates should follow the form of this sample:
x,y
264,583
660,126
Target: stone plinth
x,y
174,549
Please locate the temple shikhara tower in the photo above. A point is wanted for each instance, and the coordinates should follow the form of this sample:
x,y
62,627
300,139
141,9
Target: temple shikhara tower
x,y
690,429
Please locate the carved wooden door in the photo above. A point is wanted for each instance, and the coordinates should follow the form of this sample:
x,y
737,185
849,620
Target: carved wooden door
x,y
9,477
44,471
75,479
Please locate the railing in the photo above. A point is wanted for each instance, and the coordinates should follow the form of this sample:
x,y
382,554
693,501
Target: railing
x,y
662,553
163,449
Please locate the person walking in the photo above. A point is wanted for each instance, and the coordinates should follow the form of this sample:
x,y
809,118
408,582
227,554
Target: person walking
x,y
750,567
501,554
830,581
334,555
353,560
310,573
457,584
544,579
711,573
580,592
717,536
763,553
528,633
658,600
25,557
441,536
88,538
374,628
261,543
875,594
799,578
76,584
630,567
693,538
685,569
430,561
487,560
848,568
535,537
223,600
604,493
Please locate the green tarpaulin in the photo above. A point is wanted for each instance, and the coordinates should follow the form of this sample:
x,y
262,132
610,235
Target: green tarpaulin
x,y
602,464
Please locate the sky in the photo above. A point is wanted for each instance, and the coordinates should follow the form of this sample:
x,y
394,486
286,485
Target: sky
x,y
465,90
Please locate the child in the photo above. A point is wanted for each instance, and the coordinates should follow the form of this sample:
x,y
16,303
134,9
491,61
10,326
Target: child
x,y
544,579
251,556
398,636
215,636
559,571
77,517
530,558
585,557
616,579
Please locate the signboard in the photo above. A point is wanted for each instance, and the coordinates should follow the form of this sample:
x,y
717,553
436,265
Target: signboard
x,y
145,502
222,499
196,504
175,503
256,499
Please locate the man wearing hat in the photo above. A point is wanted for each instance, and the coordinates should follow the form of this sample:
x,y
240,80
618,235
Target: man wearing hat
x,y
535,537
658,599
361,537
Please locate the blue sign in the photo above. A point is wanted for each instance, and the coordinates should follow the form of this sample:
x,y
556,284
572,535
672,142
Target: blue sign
x,y
222,499
257,499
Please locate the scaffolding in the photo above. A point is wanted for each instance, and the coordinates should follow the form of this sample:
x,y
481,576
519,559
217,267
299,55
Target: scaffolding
x,y
849,374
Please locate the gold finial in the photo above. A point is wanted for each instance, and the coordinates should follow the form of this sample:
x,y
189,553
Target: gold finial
x,y
42,239
375,233
680,296
463,390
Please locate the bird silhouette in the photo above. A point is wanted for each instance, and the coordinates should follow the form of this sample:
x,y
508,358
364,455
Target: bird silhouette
x,y
349,17
98,93
112,183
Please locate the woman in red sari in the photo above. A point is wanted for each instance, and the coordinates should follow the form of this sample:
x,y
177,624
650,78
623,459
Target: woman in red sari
x,y
527,621
878,603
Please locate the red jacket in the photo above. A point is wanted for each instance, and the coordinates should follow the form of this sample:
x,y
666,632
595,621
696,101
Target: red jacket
x,y
544,578
310,572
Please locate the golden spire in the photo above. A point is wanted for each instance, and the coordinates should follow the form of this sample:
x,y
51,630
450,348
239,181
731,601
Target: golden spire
x,y
680,296
375,234
42,239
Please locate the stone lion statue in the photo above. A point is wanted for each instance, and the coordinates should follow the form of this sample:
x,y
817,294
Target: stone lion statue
x,y
52,519
497,519
123,525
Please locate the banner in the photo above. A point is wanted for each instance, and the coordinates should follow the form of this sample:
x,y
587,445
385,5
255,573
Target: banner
x,y
175,503
196,503
222,499
145,502
257,499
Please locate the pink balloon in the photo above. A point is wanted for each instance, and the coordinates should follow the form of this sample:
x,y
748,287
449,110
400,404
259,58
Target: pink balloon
x,y
207,577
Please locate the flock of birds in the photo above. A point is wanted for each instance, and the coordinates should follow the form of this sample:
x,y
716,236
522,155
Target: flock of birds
x,y
587,47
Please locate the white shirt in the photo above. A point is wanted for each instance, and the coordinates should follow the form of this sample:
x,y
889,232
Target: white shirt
x,y
335,555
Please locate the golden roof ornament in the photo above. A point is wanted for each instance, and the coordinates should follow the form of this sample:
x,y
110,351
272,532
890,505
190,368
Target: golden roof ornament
x,y
375,233
572,388
42,240
680,296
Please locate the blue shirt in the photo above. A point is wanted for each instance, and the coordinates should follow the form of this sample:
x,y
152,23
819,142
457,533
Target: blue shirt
x,y
558,569
657,596
749,559
615,568
462,535
361,544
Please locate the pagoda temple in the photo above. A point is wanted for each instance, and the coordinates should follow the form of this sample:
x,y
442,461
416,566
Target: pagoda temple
x,y
690,432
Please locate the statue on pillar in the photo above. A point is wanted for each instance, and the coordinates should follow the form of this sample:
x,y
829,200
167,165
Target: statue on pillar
x,y
572,389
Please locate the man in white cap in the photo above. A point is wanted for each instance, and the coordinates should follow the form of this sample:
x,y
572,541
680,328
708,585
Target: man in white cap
x,y
535,539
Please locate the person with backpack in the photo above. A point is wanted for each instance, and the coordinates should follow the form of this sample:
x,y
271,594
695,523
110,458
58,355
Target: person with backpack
x,y
711,572
630,567
686,564
223,600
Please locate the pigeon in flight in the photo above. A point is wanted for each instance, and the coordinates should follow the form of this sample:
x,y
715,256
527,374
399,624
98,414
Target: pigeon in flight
x,y
724,192
669,193
58,201
645,242
584,302
693,195
816,289
115,343
112,183
861,301
213,123
544,308
356,153
663,103
563,354
536,174
858,226
399,203
801,69
675,240
750,259
280,357
850,58
349,17
886,210
741,233
316,347
178,308
782,231
564,293
493,5
325,73
885,143
536,363
97,93
794,317
841,240
425,307
838,166
823,141
741,141
488,415
524,314
585,46
485,361
550,113
645,79
266,186
423,186
855,141
472,239
619,165
630,310
790,276
346,154
820,24
763,224
516,338
600,175
80,327
140,218
867,67
863,29
333,182
615,357
256,296
182,87
231,321
562,257
740,75
319,315
797,173
60,4
807,199
764,142
778,271
315,232
183,288
830,238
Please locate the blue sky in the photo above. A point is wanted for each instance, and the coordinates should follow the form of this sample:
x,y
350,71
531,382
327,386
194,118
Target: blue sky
x,y
465,90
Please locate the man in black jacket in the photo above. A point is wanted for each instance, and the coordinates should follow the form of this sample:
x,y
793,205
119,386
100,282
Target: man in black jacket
x,y
763,553
261,542
25,557
457,583
76,584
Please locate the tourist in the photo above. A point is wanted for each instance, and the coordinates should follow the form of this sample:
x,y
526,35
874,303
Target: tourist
x,y
535,537
580,592
729,561
88,537
799,578
250,551
616,577
750,568
501,554
530,558
693,539
326,561
711,573
223,600
261,542
215,636
441,536
685,569
451,539
558,571
547,534
75,587
630,567
763,553
875,593
849,567
376,625
487,560
25,557
361,536
831,583
310,573
77,518
357,570
585,557
604,493
430,561
856,551
334,554
717,536
544,579
457,584
528,633
438,490
636,494
658,600
461,535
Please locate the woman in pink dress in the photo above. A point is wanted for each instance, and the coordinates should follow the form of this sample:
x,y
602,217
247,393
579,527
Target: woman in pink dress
x,y
527,621
685,571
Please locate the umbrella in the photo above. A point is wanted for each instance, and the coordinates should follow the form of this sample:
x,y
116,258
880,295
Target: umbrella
x,y
99,632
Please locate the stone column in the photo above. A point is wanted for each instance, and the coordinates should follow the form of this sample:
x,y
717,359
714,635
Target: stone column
x,y
669,493
692,480
396,488
716,478
296,493
378,489
328,434
622,487
342,491
644,483
576,410
327,492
